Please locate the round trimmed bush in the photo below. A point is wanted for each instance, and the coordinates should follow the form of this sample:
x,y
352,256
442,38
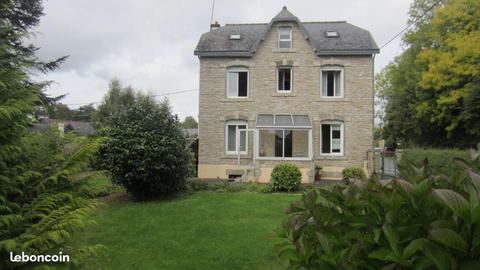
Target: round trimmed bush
x,y
286,177
146,151
353,173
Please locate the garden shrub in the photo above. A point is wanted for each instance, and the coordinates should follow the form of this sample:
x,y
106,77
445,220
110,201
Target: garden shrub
x,y
422,221
147,152
195,185
353,173
439,160
286,177
222,186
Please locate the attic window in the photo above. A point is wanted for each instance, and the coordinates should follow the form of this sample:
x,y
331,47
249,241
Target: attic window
x,y
284,37
235,36
331,33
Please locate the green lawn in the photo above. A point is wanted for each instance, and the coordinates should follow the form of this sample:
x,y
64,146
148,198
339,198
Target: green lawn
x,y
205,230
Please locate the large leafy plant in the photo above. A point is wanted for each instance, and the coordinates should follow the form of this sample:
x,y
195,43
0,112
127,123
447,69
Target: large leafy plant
x,y
419,221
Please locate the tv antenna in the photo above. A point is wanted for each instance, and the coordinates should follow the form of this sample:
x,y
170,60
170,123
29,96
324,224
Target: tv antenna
x,y
213,7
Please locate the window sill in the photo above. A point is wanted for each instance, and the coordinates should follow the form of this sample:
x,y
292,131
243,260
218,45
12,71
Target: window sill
x,y
330,99
332,157
284,159
291,50
286,94
237,100
234,156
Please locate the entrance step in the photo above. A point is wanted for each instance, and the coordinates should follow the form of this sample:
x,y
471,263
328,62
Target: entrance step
x,y
332,173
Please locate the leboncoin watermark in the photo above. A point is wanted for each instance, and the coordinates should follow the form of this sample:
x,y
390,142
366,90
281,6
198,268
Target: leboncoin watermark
x,y
39,258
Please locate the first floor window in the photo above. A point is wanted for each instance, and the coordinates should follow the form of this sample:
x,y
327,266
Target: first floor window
x,y
284,79
236,137
237,83
332,138
332,85
284,143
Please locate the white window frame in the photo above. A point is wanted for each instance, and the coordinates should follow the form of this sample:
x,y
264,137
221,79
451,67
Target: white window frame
x,y
289,39
342,138
236,70
291,79
257,141
237,137
342,83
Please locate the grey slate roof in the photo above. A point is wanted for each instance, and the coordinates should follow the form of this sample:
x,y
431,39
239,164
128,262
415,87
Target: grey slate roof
x,y
352,40
81,127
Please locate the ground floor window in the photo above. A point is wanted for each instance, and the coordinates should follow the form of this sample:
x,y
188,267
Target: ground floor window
x,y
332,138
283,143
236,137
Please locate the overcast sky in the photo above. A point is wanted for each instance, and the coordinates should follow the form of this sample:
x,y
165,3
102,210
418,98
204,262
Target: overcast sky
x,y
149,44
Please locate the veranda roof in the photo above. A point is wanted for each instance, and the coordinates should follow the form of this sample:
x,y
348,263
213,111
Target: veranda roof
x,y
284,120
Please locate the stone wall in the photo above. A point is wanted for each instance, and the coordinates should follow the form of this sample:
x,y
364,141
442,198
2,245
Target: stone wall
x,y
355,109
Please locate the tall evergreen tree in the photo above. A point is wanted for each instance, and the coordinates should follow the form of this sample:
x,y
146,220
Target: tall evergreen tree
x,y
40,205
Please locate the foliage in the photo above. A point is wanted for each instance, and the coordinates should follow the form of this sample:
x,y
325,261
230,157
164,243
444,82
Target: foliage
x,y
117,99
420,221
318,169
47,199
432,89
61,111
351,173
84,113
146,152
439,160
222,186
42,199
189,122
286,177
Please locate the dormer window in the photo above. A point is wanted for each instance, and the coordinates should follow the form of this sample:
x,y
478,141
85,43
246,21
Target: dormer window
x,y
284,37
331,33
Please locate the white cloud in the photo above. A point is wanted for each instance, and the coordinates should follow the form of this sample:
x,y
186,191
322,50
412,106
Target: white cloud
x,y
149,44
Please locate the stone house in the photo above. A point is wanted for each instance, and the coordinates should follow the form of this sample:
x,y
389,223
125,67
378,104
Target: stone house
x,y
287,90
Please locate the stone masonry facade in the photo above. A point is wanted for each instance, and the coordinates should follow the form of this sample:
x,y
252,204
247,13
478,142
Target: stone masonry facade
x,y
355,109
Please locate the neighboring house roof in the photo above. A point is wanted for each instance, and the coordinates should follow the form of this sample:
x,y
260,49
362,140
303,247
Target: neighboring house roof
x,y
81,127
351,40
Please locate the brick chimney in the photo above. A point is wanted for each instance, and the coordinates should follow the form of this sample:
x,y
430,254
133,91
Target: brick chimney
x,y
214,26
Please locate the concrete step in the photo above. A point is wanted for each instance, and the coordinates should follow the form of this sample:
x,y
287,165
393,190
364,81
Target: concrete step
x,y
331,174
332,178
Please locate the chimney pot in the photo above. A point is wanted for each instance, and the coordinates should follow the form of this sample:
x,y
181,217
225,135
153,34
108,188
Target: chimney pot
x,y
214,26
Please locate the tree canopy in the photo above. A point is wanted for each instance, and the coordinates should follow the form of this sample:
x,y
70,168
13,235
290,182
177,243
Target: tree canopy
x,y
117,99
189,122
432,90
